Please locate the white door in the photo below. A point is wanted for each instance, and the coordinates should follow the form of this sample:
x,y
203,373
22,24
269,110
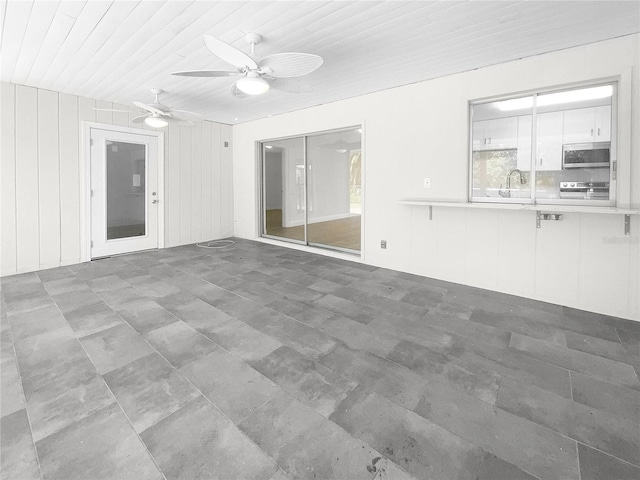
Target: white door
x,y
124,198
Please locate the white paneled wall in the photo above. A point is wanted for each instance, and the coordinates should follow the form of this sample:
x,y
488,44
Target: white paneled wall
x,y
41,155
421,130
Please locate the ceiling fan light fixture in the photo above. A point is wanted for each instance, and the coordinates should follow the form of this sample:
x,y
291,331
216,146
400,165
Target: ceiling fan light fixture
x,y
252,85
156,121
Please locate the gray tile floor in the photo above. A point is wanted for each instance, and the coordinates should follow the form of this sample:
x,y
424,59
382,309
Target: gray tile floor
x,y
260,362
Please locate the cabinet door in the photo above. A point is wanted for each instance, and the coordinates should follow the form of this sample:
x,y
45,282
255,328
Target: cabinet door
x,y
479,135
603,123
549,144
503,132
579,125
524,142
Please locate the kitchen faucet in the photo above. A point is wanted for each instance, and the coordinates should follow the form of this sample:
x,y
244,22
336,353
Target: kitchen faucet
x,y
507,193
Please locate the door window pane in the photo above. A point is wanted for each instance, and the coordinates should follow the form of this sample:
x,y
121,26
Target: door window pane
x,y
126,165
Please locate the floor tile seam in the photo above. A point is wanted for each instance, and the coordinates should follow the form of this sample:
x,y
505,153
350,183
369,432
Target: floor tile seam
x,y
525,353
451,432
569,373
569,435
24,400
618,335
208,400
524,333
277,312
635,363
340,427
133,429
578,461
626,462
451,356
571,386
555,322
558,325
494,451
561,433
481,400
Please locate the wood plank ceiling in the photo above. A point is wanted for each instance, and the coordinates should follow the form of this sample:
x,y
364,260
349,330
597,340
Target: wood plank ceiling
x,y
117,50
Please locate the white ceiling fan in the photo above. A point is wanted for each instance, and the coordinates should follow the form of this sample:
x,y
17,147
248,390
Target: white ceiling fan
x,y
158,115
275,71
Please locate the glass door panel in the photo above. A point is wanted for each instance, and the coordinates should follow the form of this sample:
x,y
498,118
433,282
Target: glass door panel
x,y
124,192
126,216
283,192
333,189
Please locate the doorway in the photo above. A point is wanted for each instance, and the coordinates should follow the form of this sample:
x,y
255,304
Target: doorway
x,y
312,190
124,191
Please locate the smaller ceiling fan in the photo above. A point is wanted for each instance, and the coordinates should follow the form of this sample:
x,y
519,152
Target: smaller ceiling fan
x,y
158,115
275,71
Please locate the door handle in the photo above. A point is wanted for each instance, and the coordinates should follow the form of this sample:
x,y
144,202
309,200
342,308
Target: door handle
x,y
154,201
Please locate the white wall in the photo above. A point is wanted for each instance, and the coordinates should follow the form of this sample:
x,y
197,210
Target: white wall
x,y
40,184
421,130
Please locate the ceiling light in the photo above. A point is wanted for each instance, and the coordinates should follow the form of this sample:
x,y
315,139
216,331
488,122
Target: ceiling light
x,y
557,98
268,146
252,84
156,121
575,95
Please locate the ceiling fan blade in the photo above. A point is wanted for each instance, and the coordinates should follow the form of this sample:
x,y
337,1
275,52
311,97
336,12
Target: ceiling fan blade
x,y
229,54
207,73
188,114
236,92
148,108
290,85
139,119
284,65
110,110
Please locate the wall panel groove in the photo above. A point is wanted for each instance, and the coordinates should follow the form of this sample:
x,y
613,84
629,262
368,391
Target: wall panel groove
x,y
8,253
42,189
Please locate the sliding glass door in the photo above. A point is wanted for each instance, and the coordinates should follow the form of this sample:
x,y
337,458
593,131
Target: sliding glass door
x,y
283,182
311,189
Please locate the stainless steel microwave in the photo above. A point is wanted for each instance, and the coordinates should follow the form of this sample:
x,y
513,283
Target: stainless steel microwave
x,y
586,155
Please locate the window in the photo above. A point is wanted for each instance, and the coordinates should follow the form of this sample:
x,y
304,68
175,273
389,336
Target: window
x,y
552,147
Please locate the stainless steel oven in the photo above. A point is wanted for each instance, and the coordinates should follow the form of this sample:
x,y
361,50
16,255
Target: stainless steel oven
x,y
585,190
586,155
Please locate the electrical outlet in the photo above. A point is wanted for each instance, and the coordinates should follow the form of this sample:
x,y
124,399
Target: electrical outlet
x,y
383,244
427,183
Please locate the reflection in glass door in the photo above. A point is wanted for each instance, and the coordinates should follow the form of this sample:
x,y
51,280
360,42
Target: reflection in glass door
x,y
334,181
312,189
283,189
125,190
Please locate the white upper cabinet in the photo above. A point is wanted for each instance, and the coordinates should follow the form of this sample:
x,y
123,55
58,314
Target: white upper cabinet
x,y
603,124
585,125
495,134
550,140
524,142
